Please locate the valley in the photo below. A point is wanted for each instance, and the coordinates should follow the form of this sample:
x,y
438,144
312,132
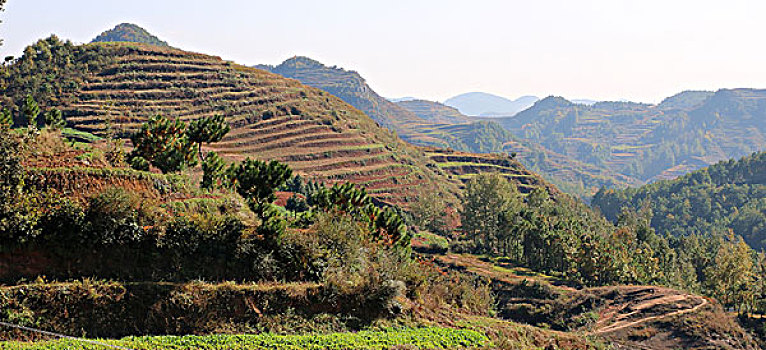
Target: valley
x,y
157,198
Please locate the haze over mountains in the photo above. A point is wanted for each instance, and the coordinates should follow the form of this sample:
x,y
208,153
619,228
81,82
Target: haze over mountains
x,y
488,105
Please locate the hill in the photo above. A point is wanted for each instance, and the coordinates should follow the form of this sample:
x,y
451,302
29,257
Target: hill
x,y
128,32
350,87
626,317
117,86
464,166
433,124
722,197
649,142
484,104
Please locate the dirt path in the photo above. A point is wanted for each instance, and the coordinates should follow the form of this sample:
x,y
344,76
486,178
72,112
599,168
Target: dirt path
x,y
623,324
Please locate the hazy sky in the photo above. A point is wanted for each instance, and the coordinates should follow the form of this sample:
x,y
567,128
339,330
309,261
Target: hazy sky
x,y
641,50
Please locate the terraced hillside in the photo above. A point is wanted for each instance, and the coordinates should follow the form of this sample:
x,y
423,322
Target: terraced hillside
x,y
114,87
463,166
432,124
352,88
649,142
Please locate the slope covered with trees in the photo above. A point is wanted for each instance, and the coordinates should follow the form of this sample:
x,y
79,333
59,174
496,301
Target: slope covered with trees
x,y
726,196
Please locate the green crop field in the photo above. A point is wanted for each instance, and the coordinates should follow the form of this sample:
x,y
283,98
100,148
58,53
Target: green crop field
x,y
414,338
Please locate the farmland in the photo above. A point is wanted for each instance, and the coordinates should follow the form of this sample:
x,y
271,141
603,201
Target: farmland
x,y
417,338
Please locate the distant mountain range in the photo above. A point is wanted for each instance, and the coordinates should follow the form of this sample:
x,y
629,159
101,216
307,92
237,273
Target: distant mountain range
x,y
429,123
127,32
649,142
579,145
488,105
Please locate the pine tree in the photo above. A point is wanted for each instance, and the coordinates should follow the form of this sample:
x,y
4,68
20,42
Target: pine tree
x,y
213,170
54,119
164,144
6,118
207,130
256,181
30,110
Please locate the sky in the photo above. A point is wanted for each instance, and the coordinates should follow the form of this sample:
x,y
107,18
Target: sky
x,y
640,50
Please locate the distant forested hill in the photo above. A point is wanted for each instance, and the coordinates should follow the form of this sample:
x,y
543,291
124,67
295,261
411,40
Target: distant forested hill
x,y
730,195
127,32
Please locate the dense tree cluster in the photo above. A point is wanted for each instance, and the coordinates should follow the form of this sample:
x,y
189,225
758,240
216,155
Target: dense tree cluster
x,y
563,236
726,196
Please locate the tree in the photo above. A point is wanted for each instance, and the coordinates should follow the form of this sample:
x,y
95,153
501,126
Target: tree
x,y
54,119
429,211
30,110
256,181
207,130
164,144
213,170
178,155
731,274
6,118
487,199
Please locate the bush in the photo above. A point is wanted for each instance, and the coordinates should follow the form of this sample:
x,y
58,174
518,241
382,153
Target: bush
x,y
351,262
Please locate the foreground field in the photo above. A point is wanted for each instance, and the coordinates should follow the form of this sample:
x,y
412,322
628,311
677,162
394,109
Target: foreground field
x,y
413,338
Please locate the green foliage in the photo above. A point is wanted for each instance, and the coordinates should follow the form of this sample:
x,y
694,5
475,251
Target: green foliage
x,y
430,338
429,211
731,274
14,210
564,237
162,142
256,180
207,130
388,224
213,169
30,110
139,163
728,195
49,70
6,118
127,32
489,200
54,119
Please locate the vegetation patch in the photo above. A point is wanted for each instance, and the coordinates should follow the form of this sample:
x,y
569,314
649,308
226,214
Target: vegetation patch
x,y
414,338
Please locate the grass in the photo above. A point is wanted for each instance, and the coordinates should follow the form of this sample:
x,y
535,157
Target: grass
x,y
430,240
412,338
78,135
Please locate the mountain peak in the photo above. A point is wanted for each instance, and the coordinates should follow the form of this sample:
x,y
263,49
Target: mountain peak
x,y
128,32
302,62
552,102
